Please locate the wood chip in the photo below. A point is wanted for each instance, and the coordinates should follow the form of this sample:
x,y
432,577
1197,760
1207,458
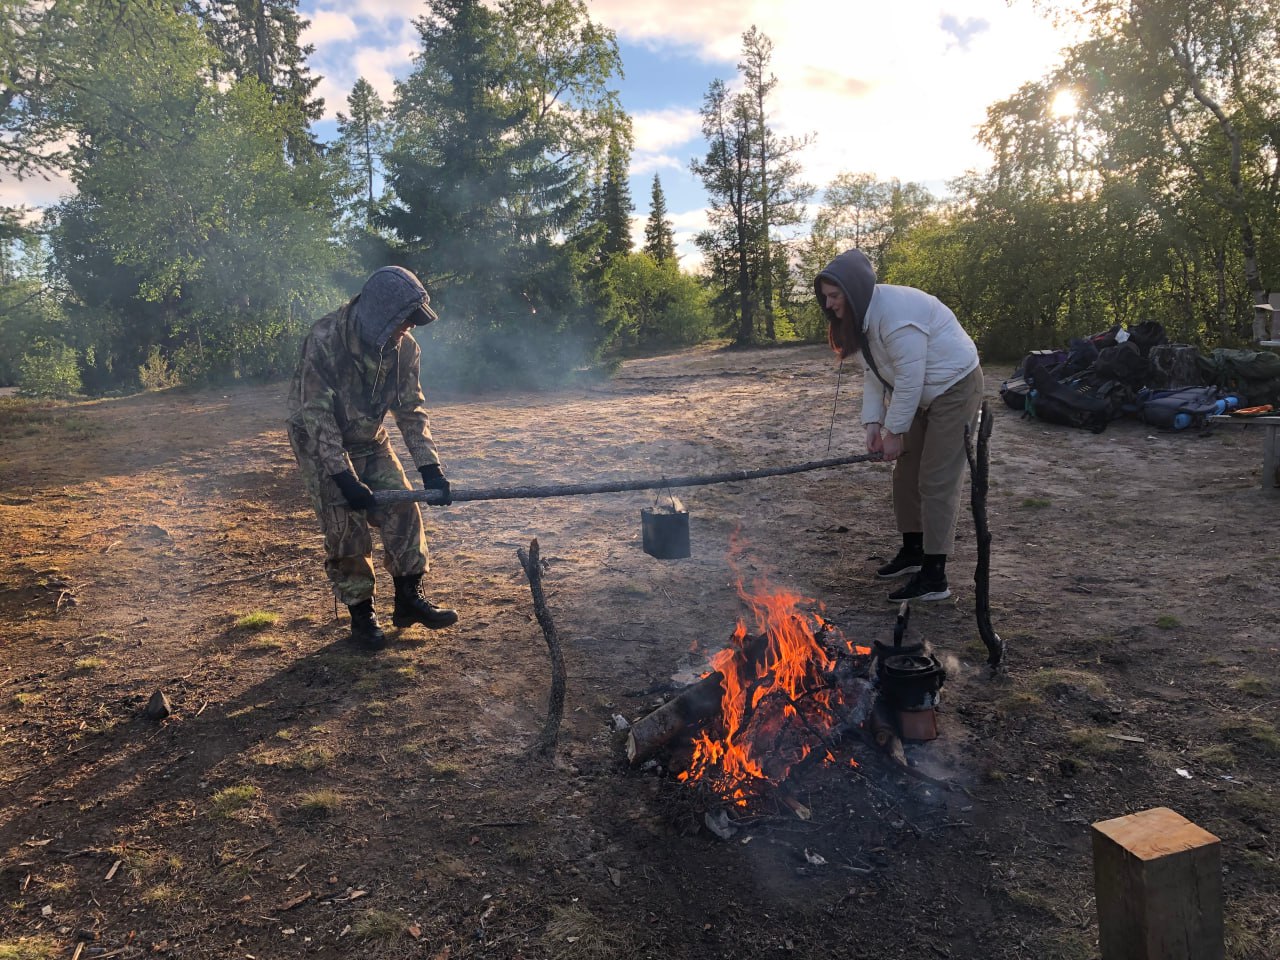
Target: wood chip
x,y
112,872
295,902
1126,738
79,950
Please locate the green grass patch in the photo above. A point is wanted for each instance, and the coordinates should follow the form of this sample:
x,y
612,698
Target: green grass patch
x,y
161,893
1168,621
30,948
1091,742
1252,686
318,804
576,934
1217,755
229,800
1033,902
1019,702
258,620
1258,734
1036,503
379,926
1254,800
310,759
1069,681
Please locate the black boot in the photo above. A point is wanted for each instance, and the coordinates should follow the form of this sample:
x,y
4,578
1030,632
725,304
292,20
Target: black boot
x,y
908,560
412,607
365,631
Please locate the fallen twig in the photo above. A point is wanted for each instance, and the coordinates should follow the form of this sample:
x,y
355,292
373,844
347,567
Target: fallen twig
x,y
249,578
546,742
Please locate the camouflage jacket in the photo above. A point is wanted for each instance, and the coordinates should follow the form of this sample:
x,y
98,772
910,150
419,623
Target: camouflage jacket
x,y
341,392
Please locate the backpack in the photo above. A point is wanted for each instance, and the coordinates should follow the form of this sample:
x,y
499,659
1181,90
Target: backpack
x,y
1124,362
1014,393
1179,409
1068,403
1147,334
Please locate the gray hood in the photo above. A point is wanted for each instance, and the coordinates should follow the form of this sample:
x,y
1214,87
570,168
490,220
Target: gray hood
x,y
387,300
851,272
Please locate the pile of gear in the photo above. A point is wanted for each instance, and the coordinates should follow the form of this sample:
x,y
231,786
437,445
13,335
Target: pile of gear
x,y
1138,373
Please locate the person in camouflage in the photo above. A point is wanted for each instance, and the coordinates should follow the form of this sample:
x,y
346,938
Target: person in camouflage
x,y
357,364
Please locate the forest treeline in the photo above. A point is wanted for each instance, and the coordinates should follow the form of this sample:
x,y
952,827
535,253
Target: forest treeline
x,y
209,226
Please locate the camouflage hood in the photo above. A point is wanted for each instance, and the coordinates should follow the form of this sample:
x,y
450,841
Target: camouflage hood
x,y
390,296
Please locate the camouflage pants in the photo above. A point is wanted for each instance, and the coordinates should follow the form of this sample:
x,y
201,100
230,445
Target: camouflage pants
x,y
348,542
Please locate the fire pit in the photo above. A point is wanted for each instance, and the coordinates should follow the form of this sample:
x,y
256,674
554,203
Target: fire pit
x,y
784,697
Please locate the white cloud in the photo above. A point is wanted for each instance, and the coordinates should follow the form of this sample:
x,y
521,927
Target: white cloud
x,y
653,162
658,130
327,26
897,90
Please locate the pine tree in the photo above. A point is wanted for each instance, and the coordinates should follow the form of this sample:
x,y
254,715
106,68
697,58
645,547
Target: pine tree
x,y
659,237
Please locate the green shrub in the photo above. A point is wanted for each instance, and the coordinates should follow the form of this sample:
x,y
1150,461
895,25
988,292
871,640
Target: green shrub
x,y
50,370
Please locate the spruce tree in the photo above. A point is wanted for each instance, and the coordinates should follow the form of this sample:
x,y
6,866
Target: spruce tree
x,y
260,39
361,135
615,200
659,237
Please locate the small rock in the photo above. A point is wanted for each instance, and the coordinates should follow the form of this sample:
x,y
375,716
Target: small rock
x,y
620,723
158,707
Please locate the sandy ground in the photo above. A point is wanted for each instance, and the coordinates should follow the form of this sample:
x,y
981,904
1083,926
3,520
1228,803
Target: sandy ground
x,y
308,799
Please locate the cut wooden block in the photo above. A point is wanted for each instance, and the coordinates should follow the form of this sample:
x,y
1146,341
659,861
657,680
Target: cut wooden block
x,y
1158,881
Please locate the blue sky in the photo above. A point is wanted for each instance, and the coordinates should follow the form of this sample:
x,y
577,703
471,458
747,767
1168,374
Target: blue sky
x,y
891,89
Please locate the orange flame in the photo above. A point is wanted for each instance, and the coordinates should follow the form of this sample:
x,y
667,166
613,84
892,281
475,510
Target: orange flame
x,y
777,703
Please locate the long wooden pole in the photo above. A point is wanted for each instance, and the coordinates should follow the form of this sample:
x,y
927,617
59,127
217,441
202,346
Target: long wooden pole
x,y
464,495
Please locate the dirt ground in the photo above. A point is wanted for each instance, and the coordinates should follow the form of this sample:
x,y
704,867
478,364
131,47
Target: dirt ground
x,y
308,799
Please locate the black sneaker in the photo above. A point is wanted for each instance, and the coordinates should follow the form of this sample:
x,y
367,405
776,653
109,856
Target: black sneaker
x,y
921,587
907,561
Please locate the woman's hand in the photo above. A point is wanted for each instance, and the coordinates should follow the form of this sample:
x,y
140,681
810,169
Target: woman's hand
x,y
873,438
891,445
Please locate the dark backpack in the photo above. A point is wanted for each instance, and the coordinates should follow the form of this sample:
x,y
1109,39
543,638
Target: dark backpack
x,y
1147,334
1124,362
1179,409
1014,393
1067,403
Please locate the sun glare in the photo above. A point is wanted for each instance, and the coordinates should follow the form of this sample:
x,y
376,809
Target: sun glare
x,y
1064,104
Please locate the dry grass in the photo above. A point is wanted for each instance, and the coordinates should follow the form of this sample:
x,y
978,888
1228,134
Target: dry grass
x,y
229,800
29,948
576,934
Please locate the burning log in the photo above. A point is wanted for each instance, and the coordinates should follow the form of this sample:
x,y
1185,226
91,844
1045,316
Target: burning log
x,y
546,742
979,469
695,704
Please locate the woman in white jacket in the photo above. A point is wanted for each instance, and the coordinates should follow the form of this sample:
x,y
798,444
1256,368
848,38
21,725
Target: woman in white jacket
x,y
922,386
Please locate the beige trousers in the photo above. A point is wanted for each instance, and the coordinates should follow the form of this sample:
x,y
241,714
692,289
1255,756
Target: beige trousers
x,y
929,475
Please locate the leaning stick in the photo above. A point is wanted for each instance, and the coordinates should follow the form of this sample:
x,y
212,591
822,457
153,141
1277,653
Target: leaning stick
x,y
979,467
433,497
546,742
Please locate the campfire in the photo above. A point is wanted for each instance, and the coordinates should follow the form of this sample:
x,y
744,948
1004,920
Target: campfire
x,y
789,691
780,696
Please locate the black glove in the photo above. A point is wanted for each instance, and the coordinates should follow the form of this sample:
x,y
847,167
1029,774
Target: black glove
x,y
359,497
433,479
